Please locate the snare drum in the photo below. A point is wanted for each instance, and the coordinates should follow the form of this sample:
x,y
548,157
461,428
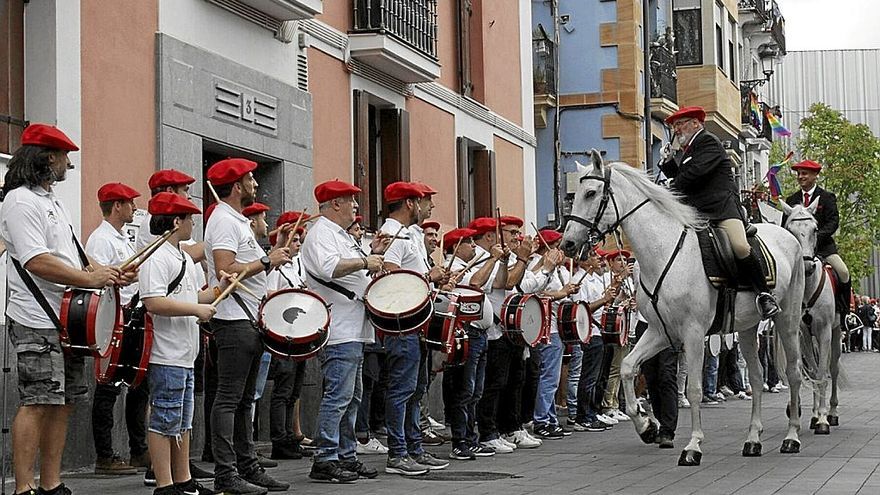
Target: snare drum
x,y
130,352
89,318
444,334
470,304
399,302
523,319
294,323
573,322
615,326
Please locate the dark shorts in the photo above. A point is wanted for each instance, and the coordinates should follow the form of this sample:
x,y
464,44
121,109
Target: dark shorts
x,y
46,376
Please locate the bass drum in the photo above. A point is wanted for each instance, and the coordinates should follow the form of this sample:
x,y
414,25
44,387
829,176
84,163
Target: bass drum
x,y
89,319
615,326
294,324
523,319
129,356
398,302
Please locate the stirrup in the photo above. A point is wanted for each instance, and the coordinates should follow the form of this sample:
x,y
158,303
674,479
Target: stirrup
x,y
768,299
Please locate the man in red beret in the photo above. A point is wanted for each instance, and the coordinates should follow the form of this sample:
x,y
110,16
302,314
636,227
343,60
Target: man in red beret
x,y
703,175
823,205
338,271
177,182
231,247
109,246
41,244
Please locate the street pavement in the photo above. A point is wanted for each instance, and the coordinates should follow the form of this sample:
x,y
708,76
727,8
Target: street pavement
x,y
616,461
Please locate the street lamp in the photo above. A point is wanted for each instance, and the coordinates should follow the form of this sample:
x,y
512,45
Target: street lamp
x,y
748,85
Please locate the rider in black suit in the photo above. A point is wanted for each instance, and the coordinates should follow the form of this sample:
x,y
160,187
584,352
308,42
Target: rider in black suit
x,y
703,175
828,220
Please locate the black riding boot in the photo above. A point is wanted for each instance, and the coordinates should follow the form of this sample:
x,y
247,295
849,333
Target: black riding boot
x,y
844,296
750,268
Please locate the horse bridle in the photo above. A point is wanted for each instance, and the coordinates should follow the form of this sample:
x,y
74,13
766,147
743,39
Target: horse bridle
x,y
594,233
812,266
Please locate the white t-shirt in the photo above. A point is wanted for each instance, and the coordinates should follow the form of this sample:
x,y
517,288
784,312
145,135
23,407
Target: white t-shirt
x,y
327,244
229,230
417,236
593,289
108,246
482,256
403,252
175,338
287,276
34,222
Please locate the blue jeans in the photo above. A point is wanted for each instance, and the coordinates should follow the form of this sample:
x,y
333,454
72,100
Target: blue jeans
x,y
402,354
467,389
172,400
574,376
414,407
548,381
341,365
710,374
591,366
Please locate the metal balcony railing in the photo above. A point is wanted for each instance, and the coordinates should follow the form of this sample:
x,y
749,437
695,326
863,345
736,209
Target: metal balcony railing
x,y
413,22
663,76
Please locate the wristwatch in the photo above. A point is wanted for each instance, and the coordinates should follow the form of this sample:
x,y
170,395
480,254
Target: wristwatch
x,y
267,265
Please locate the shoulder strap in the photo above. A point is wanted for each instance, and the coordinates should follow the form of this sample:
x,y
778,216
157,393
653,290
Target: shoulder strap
x,y
79,249
238,300
37,293
334,287
174,283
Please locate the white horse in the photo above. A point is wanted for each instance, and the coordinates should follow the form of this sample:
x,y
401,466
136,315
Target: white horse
x,y
820,325
675,295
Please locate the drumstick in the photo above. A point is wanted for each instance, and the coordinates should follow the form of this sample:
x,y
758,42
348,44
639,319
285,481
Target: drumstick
x,y
498,226
213,191
396,236
148,250
235,281
474,262
441,245
452,258
295,226
540,237
278,230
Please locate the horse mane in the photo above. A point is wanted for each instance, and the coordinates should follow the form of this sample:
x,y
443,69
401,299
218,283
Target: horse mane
x,y
667,201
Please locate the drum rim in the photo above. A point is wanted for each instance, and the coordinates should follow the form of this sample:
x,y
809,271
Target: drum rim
x,y
518,331
296,340
417,328
416,309
91,349
478,296
301,357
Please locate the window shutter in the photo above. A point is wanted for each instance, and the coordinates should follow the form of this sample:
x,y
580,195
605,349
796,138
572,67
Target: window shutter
x,y
464,46
484,188
361,174
465,214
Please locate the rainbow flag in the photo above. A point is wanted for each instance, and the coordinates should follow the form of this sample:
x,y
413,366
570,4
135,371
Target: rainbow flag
x,y
772,180
755,109
777,126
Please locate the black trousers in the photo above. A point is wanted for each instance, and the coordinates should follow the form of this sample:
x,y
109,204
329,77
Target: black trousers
x,y
511,396
498,355
529,389
136,400
728,371
287,376
209,350
661,373
604,373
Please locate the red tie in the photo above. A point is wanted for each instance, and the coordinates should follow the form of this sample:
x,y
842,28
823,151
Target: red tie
x,y
806,198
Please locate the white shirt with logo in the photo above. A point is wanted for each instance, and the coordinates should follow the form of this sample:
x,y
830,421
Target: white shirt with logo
x,y
489,301
403,252
287,276
175,338
34,222
229,230
110,247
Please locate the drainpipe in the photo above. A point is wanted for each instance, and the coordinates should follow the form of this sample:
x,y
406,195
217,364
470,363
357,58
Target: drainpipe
x,y
557,145
646,36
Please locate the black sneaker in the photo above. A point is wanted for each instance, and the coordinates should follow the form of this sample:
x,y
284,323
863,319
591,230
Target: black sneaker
x,y
150,478
259,477
599,425
482,451
58,490
236,485
192,487
560,429
605,425
588,426
169,490
331,472
463,453
359,468
265,462
285,451
199,474
548,433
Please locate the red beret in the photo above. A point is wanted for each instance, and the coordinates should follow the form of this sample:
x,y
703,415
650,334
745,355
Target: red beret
x,y
230,170
399,191
550,236
254,209
47,136
616,253
807,165
483,225
291,217
511,220
169,177
600,252
333,189
426,189
451,238
430,224
357,219
116,191
209,210
687,113
166,203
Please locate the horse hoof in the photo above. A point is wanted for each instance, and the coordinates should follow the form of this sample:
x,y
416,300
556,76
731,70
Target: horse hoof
x,y
813,422
790,446
833,420
650,434
752,449
822,429
690,458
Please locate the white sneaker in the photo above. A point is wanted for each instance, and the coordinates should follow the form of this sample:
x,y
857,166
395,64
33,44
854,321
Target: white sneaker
x,y
606,419
373,447
619,415
683,403
436,425
523,440
743,396
507,442
724,389
499,446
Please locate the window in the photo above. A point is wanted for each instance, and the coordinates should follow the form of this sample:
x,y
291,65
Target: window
x,y
476,181
381,151
470,46
688,28
731,47
719,37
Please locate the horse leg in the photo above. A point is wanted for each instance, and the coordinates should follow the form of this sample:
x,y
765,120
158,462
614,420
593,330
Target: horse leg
x,y
748,344
693,351
787,328
820,388
648,346
834,368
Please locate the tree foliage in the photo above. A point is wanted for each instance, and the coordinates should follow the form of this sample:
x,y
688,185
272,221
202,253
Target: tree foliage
x,y
850,158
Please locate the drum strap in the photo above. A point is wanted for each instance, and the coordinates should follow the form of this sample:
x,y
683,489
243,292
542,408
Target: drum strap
x,y
334,287
241,304
37,293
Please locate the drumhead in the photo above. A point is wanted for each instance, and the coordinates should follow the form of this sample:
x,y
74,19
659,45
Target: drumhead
x,y
715,344
106,318
294,314
531,319
397,292
583,322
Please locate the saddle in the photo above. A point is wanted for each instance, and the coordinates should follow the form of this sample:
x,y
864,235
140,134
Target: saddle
x,y
719,264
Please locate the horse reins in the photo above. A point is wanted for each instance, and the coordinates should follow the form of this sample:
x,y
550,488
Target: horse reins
x,y
655,296
815,297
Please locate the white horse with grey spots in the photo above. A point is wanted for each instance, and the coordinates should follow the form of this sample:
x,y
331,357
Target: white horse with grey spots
x,y
661,231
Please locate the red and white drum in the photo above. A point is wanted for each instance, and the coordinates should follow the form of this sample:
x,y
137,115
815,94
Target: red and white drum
x,y
523,319
399,302
89,318
470,304
129,353
573,322
294,323
444,334
615,325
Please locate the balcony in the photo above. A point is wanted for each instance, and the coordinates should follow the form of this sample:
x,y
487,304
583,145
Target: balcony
x,y
397,37
287,10
544,75
664,79
755,126
763,20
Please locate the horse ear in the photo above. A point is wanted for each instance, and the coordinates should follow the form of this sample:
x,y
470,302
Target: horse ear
x,y
580,168
596,159
812,208
786,209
